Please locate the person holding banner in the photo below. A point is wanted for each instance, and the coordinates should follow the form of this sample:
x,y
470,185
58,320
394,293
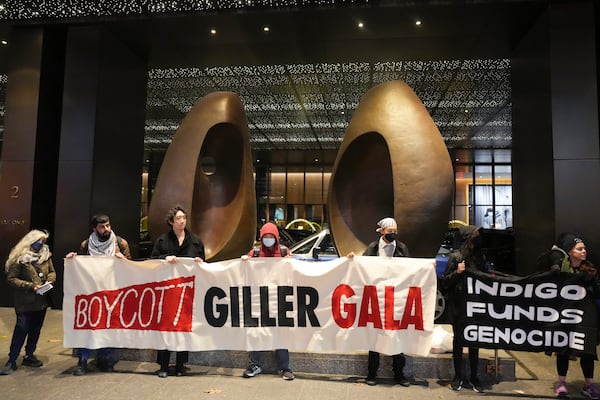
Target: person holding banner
x,y
269,247
569,254
469,256
177,242
387,246
29,270
102,242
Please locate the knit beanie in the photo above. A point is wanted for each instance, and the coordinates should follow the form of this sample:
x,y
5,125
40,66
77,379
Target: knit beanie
x,y
567,241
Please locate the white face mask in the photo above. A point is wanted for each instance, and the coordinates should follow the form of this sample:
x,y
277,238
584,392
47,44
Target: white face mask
x,y
268,242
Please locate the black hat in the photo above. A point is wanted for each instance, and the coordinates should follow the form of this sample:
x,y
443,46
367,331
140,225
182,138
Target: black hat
x,y
567,241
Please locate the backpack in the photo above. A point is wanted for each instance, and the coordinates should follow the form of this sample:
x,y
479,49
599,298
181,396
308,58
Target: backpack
x,y
549,259
282,249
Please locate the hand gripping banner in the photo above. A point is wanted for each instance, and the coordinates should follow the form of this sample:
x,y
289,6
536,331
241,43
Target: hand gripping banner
x,y
550,311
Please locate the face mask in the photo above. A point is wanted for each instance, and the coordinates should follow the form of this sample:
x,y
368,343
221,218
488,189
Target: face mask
x,y
268,242
390,237
36,246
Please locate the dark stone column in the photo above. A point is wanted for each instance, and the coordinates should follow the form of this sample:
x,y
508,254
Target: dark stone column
x,y
556,167
30,149
533,178
101,150
575,122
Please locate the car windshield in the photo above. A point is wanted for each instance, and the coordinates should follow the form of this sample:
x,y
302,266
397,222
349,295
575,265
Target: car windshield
x,y
327,246
305,248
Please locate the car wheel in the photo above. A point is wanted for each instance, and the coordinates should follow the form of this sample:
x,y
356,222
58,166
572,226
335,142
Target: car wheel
x,y
440,305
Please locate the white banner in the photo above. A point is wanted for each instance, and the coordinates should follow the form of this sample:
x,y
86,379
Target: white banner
x,y
365,303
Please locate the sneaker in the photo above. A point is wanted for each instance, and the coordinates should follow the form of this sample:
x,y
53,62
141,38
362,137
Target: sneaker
x,y
591,391
457,384
287,375
252,370
476,385
402,380
9,368
561,389
371,380
81,368
32,361
162,374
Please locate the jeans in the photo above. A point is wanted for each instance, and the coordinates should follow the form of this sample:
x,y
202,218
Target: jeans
x,y
282,355
106,357
28,326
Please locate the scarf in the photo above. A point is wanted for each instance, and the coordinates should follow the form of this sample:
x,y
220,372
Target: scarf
x,y
31,257
98,248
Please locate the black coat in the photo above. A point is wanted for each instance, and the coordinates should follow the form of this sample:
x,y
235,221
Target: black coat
x,y
168,245
399,251
453,284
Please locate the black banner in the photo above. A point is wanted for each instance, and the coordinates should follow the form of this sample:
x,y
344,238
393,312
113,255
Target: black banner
x,y
551,311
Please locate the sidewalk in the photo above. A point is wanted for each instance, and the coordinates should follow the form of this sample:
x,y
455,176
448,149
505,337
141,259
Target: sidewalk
x,y
137,380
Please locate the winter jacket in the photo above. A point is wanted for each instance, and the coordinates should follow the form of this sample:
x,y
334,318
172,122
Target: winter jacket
x,y
273,251
168,245
24,277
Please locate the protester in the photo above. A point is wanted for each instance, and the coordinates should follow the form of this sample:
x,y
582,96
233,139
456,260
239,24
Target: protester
x,y
102,242
29,270
177,242
469,257
269,247
569,255
387,246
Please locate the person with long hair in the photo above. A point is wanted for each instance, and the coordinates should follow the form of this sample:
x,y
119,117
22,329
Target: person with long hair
x,y
29,270
469,256
569,255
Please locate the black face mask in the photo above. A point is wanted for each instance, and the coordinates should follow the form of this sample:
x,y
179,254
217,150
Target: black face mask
x,y
390,237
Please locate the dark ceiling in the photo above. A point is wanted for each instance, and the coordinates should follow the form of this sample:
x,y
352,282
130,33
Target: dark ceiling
x,y
301,80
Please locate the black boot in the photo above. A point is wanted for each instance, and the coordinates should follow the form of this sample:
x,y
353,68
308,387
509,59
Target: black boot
x,y
81,368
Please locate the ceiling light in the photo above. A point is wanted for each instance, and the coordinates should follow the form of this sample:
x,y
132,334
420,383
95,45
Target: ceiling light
x,y
266,29
213,31
418,22
4,42
361,25
316,160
